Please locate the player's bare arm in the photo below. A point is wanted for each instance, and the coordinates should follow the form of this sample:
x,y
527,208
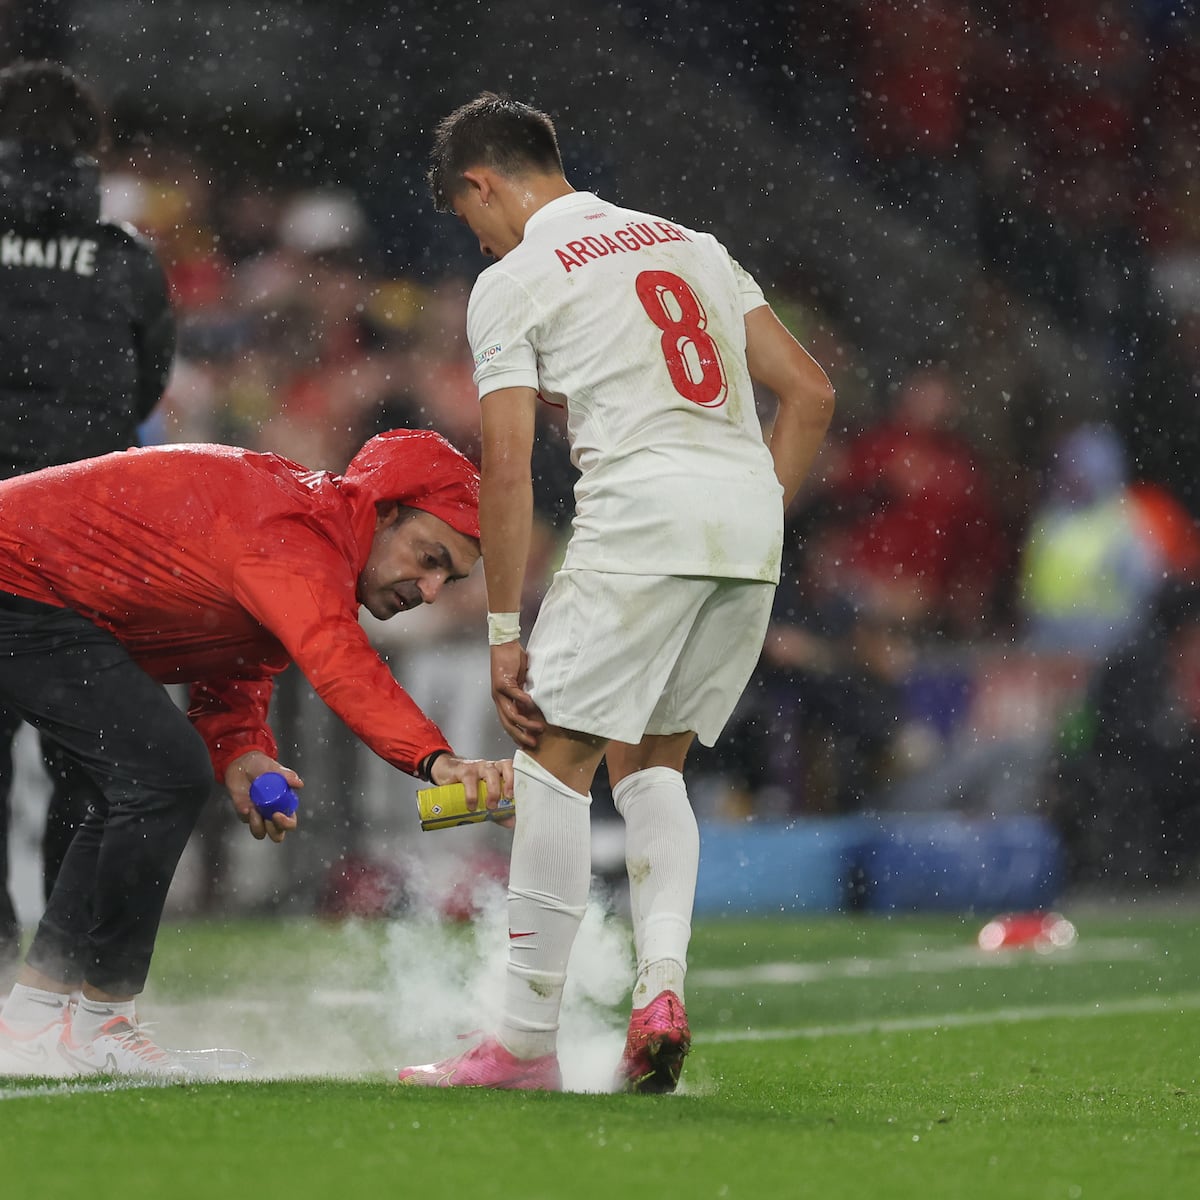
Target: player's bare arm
x,y
505,524
806,400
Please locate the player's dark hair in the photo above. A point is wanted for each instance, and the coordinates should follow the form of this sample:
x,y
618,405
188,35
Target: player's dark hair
x,y
45,102
490,131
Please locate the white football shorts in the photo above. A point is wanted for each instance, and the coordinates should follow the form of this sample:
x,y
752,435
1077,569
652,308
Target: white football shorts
x,y
621,656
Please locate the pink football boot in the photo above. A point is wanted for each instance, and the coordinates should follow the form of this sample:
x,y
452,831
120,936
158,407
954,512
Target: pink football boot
x,y
657,1044
488,1065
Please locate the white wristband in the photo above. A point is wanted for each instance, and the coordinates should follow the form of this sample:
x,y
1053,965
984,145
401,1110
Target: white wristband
x,y
503,627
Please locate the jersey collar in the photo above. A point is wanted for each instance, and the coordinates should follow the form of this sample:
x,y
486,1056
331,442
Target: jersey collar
x,y
562,204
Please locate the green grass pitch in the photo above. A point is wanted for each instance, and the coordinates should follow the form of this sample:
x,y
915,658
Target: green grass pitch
x,y
834,1057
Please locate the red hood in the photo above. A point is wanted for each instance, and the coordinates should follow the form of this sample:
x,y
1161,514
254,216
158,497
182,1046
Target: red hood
x,y
417,468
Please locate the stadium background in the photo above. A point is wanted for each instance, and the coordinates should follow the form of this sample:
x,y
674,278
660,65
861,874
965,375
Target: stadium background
x,y
989,208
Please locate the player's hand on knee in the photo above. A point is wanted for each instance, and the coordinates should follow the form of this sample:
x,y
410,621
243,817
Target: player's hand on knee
x,y
521,718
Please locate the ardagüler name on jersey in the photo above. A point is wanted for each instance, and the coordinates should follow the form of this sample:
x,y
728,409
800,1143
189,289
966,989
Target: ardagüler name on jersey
x,y
63,253
635,236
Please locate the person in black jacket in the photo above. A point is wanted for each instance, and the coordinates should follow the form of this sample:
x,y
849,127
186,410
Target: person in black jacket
x,y
86,341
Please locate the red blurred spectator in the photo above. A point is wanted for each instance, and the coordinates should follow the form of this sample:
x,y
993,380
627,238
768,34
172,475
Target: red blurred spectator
x,y
920,539
359,886
912,76
1169,527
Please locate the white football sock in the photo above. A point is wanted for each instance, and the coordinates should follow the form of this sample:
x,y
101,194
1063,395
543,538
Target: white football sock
x,y
662,856
548,879
29,1008
91,1015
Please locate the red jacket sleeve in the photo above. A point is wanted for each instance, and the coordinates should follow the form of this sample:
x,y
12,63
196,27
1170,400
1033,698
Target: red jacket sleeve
x,y
231,716
303,591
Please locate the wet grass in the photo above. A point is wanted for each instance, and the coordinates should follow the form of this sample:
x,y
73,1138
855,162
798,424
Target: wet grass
x,y
902,1064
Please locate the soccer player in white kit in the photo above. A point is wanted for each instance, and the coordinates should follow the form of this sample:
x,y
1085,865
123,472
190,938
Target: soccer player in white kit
x,y
651,335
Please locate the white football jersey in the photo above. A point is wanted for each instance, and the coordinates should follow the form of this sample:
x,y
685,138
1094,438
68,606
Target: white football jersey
x,y
637,325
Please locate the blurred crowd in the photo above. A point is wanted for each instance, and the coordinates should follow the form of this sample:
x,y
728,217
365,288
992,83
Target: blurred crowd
x,y
990,601
987,599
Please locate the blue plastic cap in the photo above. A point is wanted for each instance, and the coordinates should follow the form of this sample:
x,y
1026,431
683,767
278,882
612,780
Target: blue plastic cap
x,y
271,794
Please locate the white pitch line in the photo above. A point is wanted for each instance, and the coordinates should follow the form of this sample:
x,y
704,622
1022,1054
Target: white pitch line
x,y
72,1088
1188,1002
959,958
918,962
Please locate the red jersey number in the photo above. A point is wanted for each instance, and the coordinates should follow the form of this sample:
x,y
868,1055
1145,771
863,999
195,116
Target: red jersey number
x,y
693,360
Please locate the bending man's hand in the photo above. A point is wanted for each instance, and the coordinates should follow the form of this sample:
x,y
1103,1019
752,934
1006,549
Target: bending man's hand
x,y
495,774
239,775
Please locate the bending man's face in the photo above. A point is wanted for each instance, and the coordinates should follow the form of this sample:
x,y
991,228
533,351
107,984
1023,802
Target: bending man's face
x,y
413,556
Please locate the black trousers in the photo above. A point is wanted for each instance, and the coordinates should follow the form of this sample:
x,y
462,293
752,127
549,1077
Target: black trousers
x,y
148,774
70,788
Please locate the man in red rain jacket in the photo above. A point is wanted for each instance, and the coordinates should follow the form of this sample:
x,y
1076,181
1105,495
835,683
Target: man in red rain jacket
x,y
213,566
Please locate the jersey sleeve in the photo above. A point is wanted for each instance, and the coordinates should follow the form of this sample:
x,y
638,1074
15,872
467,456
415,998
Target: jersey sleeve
x,y
303,591
748,289
500,316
